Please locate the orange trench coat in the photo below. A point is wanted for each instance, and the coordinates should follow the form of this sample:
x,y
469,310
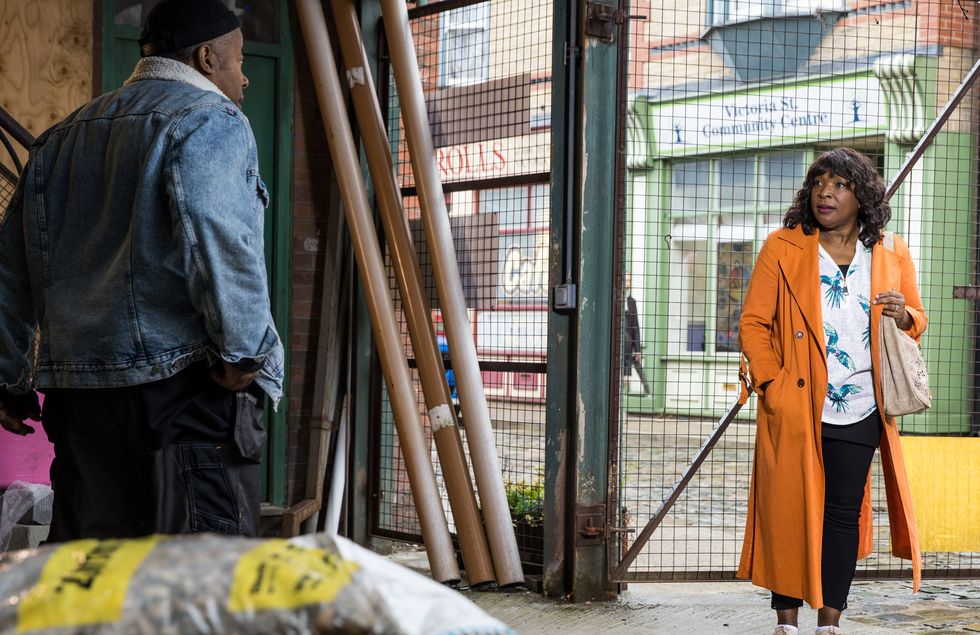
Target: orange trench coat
x,y
781,332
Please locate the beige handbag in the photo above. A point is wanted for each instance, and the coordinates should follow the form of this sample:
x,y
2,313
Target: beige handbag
x,y
904,378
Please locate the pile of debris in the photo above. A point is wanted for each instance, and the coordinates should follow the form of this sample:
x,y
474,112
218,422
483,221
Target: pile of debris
x,y
206,583
25,515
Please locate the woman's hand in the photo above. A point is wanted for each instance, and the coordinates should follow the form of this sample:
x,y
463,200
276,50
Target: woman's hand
x,y
894,307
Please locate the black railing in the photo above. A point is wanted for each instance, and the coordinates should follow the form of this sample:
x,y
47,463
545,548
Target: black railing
x,y
11,129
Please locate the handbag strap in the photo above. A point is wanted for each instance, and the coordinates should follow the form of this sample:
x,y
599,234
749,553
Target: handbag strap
x,y
889,241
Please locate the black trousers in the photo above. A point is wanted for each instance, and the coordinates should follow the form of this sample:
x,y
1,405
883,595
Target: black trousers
x,y
159,458
629,363
846,468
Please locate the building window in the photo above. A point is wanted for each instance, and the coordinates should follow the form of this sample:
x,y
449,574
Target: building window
x,y
722,12
734,266
687,324
721,209
689,184
464,46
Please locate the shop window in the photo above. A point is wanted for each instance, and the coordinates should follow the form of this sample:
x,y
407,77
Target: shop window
x,y
464,46
736,183
510,204
540,204
689,185
780,175
689,285
721,211
734,268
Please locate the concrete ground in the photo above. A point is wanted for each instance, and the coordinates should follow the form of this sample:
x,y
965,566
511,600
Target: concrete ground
x,y
729,608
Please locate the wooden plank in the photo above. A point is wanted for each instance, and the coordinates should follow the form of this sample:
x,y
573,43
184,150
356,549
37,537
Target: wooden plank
x,y
45,61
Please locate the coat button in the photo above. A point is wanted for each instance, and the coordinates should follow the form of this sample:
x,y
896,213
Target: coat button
x,y
800,382
799,335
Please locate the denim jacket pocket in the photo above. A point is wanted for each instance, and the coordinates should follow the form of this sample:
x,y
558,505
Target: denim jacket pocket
x,y
250,435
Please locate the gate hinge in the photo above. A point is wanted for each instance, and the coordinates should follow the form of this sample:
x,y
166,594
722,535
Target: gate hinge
x,y
601,19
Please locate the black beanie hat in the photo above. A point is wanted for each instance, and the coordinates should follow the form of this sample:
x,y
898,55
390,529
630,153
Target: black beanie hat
x,y
176,24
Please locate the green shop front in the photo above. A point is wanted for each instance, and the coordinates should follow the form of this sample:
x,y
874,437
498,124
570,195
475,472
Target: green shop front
x,y
711,172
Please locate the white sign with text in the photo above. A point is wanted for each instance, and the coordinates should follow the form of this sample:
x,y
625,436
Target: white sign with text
x,y
495,158
818,111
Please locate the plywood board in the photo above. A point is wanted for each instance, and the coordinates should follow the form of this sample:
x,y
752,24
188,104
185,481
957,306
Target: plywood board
x,y
45,60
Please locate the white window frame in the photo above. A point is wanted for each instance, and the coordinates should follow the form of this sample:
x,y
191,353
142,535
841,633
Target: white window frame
x,y
474,19
724,12
708,225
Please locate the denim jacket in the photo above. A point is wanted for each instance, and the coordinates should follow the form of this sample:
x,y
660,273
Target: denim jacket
x,y
135,240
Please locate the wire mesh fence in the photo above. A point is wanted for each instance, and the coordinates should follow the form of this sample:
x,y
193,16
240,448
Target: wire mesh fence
x,y
8,183
729,101
486,72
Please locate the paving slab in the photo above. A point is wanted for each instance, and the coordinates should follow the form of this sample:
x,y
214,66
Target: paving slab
x,y
877,607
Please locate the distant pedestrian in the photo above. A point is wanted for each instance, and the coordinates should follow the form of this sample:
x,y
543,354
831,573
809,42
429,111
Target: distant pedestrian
x,y
135,241
809,329
632,339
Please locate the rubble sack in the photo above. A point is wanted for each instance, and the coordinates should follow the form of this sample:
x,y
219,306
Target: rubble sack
x,y
206,583
28,503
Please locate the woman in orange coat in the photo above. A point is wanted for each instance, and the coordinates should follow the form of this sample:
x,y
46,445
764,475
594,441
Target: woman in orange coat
x,y
809,329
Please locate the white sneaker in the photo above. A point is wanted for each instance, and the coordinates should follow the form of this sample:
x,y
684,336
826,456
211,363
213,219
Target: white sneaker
x,y
833,630
786,629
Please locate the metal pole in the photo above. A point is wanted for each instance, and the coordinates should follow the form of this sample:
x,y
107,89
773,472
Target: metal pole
x,y
428,504
933,130
472,540
435,220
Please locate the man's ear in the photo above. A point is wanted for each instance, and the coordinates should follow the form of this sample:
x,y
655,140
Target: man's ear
x,y
206,60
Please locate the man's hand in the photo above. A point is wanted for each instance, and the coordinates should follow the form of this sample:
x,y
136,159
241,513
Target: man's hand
x,y
15,424
231,378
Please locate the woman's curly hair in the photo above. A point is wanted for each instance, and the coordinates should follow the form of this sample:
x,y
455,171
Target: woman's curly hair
x,y
868,186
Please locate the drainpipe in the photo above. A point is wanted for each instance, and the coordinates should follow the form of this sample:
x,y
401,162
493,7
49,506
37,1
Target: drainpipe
x,y
435,221
428,504
449,445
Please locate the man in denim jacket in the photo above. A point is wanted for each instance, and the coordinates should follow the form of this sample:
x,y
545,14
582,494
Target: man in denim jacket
x,y
134,241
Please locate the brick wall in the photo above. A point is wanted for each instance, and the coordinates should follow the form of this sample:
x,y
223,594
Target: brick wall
x,y
313,200
948,23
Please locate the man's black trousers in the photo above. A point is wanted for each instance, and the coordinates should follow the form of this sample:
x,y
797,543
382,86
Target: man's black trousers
x,y
176,456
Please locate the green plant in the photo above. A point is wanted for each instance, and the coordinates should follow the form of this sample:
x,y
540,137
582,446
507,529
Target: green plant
x,y
526,500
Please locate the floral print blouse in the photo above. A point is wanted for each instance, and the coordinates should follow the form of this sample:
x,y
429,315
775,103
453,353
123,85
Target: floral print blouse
x,y
846,304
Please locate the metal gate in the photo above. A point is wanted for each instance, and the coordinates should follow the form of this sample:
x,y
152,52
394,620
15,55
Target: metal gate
x,y
486,72
728,102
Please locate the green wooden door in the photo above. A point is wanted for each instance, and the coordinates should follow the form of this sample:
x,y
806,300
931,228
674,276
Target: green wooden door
x,y
268,105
